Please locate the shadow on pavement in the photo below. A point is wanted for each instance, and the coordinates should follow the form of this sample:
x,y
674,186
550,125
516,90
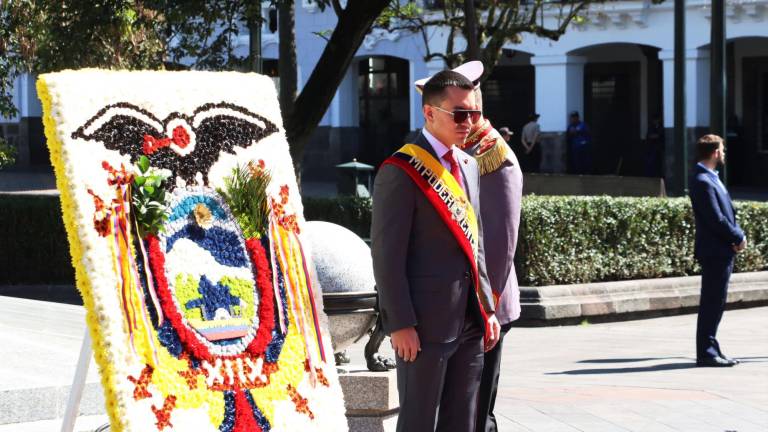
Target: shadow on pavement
x,y
661,367
630,360
687,363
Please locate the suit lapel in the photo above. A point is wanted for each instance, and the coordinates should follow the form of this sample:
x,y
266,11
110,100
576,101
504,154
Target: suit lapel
x,y
722,196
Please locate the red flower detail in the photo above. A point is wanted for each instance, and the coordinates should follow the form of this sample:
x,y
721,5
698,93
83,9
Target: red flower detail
x,y
163,415
101,216
152,144
180,136
302,404
117,177
266,304
140,391
190,376
244,420
321,378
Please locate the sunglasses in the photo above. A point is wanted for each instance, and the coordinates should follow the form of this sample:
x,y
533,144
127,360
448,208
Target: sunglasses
x,y
460,116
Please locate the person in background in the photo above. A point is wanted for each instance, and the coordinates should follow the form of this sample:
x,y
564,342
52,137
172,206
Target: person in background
x,y
718,239
530,141
505,133
654,143
579,146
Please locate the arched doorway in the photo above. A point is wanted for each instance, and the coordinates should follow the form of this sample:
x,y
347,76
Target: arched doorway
x,y
509,93
383,91
747,112
622,96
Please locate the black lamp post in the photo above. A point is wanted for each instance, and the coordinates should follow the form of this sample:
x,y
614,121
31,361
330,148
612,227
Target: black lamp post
x,y
680,140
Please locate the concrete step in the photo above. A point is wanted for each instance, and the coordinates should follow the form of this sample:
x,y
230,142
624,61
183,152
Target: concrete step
x,y
629,299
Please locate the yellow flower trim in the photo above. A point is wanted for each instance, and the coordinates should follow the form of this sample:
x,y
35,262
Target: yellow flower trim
x,y
76,251
243,289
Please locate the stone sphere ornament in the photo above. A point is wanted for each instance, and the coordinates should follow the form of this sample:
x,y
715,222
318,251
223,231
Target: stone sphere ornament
x,y
345,272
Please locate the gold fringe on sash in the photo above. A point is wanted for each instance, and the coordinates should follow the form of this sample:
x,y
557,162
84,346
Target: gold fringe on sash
x,y
493,158
487,146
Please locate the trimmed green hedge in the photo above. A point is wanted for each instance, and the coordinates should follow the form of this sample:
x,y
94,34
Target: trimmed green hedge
x,y
33,244
566,240
351,212
562,239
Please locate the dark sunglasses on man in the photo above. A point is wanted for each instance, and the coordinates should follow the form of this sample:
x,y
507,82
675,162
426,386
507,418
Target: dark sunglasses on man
x,y
461,115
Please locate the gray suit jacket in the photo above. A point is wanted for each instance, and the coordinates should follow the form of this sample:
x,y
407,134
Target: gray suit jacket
x,y
501,191
422,275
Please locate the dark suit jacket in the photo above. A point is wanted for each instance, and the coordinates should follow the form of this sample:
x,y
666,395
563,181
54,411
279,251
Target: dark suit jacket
x,y
716,227
422,276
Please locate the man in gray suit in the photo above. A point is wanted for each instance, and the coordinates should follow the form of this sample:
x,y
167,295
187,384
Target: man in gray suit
x,y
426,243
501,186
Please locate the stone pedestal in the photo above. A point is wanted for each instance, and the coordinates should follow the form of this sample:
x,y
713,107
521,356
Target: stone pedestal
x,y
371,399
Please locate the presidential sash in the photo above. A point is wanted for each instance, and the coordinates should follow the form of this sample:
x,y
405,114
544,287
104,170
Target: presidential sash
x,y
449,200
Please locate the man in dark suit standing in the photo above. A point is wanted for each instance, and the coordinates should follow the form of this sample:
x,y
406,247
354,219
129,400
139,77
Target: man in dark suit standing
x,y
718,239
427,248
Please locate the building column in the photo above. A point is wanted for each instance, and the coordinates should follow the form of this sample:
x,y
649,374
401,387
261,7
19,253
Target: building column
x,y
696,88
697,109
559,90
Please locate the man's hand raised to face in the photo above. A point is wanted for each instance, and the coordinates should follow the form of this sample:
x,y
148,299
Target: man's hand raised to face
x,y
406,343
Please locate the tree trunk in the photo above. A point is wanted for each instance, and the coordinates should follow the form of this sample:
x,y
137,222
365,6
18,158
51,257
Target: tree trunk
x,y
316,96
254,37
286,63
470,31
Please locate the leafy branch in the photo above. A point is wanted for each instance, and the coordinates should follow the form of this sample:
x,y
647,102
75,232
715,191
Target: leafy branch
x,y
245,192
149,197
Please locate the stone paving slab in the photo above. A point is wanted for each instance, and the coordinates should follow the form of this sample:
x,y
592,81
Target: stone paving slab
x,y
620,376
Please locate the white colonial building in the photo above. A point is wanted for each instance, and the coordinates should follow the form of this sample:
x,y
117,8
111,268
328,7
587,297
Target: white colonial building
x,y
615,68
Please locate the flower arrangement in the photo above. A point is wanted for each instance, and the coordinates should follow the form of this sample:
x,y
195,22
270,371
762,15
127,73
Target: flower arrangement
x,y
184,228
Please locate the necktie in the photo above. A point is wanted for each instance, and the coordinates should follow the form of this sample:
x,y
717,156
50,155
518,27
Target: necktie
x,y
455,171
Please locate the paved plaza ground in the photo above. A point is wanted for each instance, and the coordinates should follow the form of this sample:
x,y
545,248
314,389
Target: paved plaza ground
x,y
622,376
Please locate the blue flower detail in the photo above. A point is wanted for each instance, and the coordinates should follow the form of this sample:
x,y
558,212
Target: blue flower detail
x,y
215,296
228,424
223,245
186,205
275,346
260,419
169,339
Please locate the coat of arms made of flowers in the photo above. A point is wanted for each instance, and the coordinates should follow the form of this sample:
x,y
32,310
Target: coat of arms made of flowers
x,y
184,225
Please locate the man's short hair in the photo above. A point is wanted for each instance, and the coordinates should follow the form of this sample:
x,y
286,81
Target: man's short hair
x,y
434,89
707,145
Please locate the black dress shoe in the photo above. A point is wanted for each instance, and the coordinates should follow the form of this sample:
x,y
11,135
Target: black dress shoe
x,y
714,362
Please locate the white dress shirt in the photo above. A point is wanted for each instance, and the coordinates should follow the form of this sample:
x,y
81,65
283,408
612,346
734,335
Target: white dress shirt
x,y
439,148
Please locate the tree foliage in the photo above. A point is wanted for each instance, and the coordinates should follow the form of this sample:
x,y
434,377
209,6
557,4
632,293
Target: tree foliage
x,y
47,35
489,24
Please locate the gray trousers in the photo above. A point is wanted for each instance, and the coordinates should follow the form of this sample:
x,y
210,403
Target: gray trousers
x,y
439,390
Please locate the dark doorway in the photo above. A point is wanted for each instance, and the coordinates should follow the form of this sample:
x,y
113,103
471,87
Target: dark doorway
x,y
612,113
748,157
509,97
384,85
